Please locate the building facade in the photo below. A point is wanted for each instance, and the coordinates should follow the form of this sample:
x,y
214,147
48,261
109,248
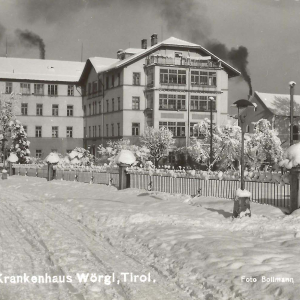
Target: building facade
x,y
48,102
173,84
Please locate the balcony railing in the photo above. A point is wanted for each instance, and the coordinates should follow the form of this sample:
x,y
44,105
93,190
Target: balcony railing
x,y
181,61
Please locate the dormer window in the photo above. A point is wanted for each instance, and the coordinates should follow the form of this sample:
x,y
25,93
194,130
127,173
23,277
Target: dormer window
x,y
178,54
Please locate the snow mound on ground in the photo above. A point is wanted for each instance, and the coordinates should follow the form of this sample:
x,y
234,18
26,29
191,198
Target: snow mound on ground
x,y
291,157
125,157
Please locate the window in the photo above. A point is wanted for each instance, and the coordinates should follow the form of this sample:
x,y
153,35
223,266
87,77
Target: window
x,y
38,153
8,87
84,110
70,109
106,129
70,90
149,101
99,128
113,104
113,80
25,88
136,78
54,109
90,134
204,78
39,109
89,89
38,131
25,128
54,150
135,128
150,77
171,76
69,151
90,109
39,89
69,132
107,105
295,132
177,128
112,130
95,87
55,131
84,132
93,131
119,79
119,133
107,82
195,131
178,54
171,102
100,87
52,89
99,106
24,109
119,103
202,103
136,103
171,157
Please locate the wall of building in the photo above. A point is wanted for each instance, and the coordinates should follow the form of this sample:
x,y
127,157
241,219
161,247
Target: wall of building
x,y
47,120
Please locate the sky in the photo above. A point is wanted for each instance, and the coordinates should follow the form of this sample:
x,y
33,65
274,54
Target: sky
x,y
268,29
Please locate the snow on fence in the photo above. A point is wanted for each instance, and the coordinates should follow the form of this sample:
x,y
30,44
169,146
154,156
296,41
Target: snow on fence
x,y
262,192
89,175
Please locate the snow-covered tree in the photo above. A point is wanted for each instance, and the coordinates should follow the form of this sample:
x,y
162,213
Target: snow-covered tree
x,y
80,156
158,141
226,145
263,146
20,144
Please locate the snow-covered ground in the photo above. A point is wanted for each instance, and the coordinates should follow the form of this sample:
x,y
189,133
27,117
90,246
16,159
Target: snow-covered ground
x,y
191,247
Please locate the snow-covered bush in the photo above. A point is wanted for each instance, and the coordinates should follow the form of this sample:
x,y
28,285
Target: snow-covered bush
x,y
125,157
291,157
80,156
114,148
158,141
263,146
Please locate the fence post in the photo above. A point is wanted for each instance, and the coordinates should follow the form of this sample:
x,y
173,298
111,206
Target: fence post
x,y
295,193
50,172
124,178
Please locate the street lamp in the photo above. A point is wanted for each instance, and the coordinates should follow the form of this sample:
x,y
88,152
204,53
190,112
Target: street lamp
x,y
292,85
241,104
211,130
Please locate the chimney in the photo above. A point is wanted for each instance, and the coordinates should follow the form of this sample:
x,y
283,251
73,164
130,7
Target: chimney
x,y
120,54
144,43
153,39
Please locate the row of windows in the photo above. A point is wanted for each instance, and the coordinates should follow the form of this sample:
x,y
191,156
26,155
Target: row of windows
x,y
202,103
177,128
96,87
174,76
95,131
96,107
54,130
39,109
38,152
38,89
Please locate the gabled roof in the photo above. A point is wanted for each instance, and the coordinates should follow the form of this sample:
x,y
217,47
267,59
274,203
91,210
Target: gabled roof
x,y
40,69
140,53
279,104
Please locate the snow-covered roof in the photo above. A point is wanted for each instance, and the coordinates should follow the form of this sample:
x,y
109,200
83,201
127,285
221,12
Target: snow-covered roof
x,y
279,104
101,63
139,53
40,69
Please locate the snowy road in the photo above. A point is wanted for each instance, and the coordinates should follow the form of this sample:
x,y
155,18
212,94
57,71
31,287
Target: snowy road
x,y
37,239
191,248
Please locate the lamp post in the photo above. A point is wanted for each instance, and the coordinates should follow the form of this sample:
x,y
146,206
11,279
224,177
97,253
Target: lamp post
x,y
241,104
211,130
292,85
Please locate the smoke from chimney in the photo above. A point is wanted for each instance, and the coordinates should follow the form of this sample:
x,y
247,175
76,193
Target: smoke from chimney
x,y
186,18
29,39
